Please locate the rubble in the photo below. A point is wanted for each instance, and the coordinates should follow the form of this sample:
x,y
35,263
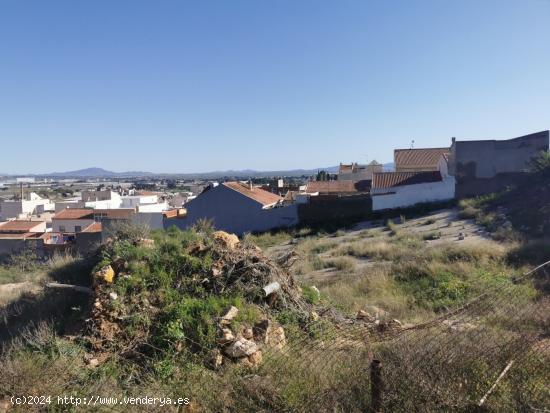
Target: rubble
x,y
234,268
226,336
230,314
241,348
227,240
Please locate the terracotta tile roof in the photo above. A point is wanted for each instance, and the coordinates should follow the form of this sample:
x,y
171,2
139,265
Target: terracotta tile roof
x,y
344,186
95,227
427,158
392,179
257,194
118,213
19,226
19,235
75,213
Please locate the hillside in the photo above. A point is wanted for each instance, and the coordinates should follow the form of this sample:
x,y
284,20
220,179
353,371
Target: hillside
x,y
185,314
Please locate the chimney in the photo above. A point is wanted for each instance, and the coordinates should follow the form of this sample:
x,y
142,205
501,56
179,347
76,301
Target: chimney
x,y
250,184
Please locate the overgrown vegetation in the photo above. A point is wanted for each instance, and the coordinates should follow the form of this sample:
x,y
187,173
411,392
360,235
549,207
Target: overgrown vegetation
x,y
157,323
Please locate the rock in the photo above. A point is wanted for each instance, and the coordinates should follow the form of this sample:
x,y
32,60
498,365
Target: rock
x,y
227,240
5,405
248,333
216,358
376,312
363,315
230,314
93,362
241,348
261,329
276,337
119,264
255,359
389,326
243,361
270,334
226,336
106,274
113,296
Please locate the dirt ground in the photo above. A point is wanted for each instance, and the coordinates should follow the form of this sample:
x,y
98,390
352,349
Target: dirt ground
x,y
437,227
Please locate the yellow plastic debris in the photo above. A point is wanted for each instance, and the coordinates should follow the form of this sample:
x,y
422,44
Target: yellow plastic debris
x,y
107,274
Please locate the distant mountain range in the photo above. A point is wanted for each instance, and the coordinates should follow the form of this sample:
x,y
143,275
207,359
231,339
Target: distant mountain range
x,y
97,173
244,173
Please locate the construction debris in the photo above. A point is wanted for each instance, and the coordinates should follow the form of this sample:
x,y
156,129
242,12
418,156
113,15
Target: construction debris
x,y
234,269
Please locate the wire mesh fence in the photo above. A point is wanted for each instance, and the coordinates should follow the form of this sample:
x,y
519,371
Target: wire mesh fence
x,y
491,354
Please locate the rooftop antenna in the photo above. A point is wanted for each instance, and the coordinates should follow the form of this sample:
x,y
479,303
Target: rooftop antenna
x,y
412,144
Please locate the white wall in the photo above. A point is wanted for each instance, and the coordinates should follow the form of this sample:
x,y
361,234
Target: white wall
x,y
70,224
104,204
153,207
13,209
408,195
137,200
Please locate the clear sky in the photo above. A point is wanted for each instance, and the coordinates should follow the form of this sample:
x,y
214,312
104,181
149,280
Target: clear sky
x,y
194,86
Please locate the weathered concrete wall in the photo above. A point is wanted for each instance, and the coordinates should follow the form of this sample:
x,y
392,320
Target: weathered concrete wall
x,y
409,195
13,246
482,167
87,242
488,158
333,208
154,220
468,187
233,212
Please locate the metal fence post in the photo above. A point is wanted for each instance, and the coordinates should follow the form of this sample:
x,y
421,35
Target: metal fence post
x,y
376,386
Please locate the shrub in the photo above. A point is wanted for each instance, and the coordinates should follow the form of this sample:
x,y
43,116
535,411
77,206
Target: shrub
x,y
341,264
310,294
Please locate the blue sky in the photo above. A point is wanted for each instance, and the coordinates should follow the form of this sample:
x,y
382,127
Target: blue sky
x,y
181,86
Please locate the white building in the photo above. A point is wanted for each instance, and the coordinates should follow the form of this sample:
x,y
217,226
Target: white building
x,y
355,172
391,190
132,201
31,205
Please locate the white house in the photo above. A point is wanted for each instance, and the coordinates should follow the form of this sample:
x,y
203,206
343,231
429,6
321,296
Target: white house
x,y
31,205
132,201
392,190
72,220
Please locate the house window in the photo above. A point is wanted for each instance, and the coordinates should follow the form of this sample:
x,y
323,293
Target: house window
x,y
77,228
62,228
